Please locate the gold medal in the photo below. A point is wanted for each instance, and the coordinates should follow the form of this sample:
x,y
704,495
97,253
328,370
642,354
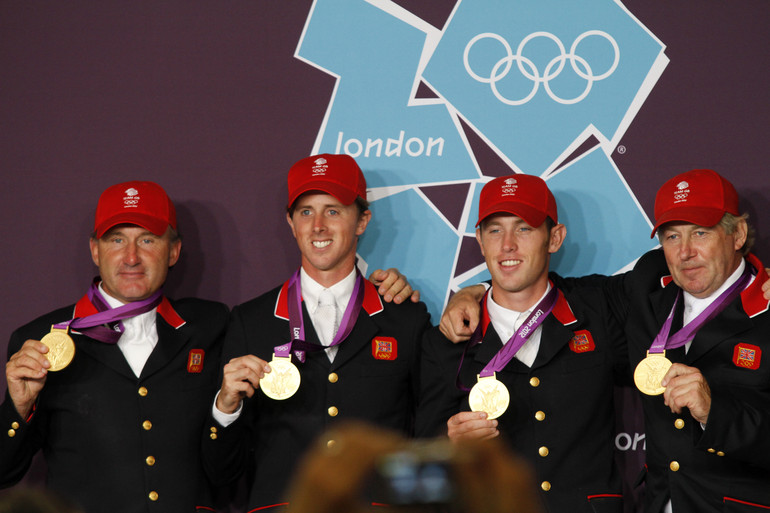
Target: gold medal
x,y
282,381
649,373
489,395
61,348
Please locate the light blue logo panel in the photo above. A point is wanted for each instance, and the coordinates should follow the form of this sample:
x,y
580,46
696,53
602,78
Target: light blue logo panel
x,y
533,75
534,78
605,227
415,240
376,57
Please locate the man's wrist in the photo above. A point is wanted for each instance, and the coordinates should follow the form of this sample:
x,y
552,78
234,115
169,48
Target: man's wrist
x,y
224,418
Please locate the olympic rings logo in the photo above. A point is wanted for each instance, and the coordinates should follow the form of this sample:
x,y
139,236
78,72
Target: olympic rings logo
x,y
529,70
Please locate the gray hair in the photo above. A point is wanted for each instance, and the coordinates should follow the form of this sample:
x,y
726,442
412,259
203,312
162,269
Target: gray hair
x,y
729,223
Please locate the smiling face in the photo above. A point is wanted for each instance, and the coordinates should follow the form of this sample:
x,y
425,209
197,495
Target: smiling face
x,y
133,262
327,235
517,257
700,259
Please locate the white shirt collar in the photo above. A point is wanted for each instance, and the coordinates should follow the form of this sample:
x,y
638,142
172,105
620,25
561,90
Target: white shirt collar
x,y
342,290
506,317
144,322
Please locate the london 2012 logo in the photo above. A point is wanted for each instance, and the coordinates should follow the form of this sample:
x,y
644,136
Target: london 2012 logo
x,y
528,80
527,68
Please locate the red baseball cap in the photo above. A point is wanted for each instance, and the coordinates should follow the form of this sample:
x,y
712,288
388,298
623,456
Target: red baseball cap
x,y
700,196
526,196
145,204
338,175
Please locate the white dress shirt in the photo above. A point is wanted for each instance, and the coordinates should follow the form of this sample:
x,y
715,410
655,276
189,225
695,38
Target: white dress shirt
x,y
342,292
139,337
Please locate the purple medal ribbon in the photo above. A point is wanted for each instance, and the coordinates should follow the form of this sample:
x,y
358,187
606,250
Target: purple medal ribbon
x,y
663,341
534,320
297,324
519,338
94,325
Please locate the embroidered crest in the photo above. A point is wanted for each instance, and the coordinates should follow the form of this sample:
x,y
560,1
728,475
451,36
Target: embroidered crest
x,y
582,342
747,356
195,361
384,348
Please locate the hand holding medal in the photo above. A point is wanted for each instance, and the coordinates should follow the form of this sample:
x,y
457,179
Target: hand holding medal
x,y
242,376
650,371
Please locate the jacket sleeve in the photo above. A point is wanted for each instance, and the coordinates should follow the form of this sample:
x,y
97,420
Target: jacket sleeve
x,y
439,396
619,290
738,423
20,439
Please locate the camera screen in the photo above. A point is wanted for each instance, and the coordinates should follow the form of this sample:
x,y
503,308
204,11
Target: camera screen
x,y
409,478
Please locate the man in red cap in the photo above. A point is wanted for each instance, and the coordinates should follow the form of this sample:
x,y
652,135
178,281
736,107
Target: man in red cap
x,y
697,326
541,363
116,388
320,348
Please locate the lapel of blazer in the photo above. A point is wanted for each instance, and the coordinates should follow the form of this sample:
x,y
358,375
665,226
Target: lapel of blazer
x,y
365,328
553,338
170,341
362,335
731,321
557,331
662,301
109,355
484,352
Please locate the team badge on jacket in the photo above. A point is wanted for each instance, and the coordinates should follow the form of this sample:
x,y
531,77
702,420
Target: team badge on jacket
x,y
195,361
582,342
384,348
747,356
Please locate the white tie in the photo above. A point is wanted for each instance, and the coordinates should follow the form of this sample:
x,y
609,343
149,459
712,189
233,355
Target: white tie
x,y
326,320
